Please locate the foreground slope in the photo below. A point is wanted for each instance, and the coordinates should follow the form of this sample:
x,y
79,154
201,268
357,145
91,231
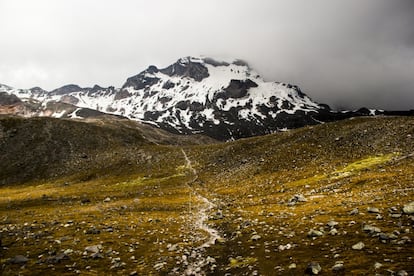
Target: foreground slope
x,y
47,147
332,194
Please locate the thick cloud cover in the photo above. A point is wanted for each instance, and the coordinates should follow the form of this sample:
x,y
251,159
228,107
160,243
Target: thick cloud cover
x,y
346,53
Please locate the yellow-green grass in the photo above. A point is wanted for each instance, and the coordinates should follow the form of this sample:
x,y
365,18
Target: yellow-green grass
x,y
145,214
153,204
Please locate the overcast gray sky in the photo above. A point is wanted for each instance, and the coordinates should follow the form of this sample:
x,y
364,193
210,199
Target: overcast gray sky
x,y
347,53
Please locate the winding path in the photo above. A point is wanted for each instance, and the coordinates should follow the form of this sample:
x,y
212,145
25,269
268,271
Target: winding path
x,y
197,259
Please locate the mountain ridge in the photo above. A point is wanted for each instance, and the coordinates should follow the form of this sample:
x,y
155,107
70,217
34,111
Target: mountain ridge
x,y
223,100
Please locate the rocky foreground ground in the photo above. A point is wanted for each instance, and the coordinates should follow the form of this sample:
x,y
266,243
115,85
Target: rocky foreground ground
x,y
334,199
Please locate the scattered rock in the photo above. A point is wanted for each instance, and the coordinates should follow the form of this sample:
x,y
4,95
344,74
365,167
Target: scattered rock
x,y
314,233
85,200
93,231
313,268
383,236
218,215
371,229
296,199
220,240
57,259
284,247
377,265
332,223
159,266
409,208
333,232
97,255
172,247
402,273
339,266
373,210
108,199
93,248
292,266
255,237
393,210
358,246
354,211
18,259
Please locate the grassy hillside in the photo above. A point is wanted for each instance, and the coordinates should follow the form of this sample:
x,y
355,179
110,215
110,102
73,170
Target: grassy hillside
x,y
277,202
41,148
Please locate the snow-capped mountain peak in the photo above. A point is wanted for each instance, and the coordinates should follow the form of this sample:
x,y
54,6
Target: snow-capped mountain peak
x,y
223,99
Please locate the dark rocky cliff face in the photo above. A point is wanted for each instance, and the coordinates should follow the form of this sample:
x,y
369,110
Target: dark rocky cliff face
x,y
7,99
66,89
187,68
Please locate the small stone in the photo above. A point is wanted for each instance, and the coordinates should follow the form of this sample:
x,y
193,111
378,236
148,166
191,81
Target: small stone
x,y
58,258
172,247
358,246
373,210
292,266
93,248
159,266
377,265
218,215
220,240
93,231
18,259
313,268
333,232
354,211
85,200
383,236
314,233
255,237
371,229
408,209
402,273
284,247
332,223
107,199
393,210
339,266
392,236
296,198
210,260
97,256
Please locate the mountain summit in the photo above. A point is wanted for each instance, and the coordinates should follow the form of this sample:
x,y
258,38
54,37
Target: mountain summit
x,y
220,99
224,100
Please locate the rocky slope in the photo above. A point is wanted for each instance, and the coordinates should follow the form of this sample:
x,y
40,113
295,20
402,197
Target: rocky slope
x,y
224,100
330,199
38,148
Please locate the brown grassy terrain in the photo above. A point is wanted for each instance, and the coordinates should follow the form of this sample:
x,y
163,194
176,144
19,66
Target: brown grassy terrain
x,y
273,195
